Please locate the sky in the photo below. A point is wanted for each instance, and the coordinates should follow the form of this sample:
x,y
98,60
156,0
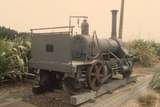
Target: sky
x,y
141,19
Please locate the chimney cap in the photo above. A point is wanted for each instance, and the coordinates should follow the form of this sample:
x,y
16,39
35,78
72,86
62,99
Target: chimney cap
x,y
115,10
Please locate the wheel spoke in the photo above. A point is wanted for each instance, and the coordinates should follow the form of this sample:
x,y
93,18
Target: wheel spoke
x,y
96,67
93,83
101,76
93,74
100,69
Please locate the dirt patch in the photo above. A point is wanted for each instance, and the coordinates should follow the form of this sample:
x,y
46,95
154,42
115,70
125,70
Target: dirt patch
x,y
148,98
53,99
23,91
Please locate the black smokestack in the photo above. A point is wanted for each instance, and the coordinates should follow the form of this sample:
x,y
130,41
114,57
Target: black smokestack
x,y
114,24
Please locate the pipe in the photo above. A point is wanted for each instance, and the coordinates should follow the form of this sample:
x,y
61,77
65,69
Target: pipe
x,y
121,20
114,24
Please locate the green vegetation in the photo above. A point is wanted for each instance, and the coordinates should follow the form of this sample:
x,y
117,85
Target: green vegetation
x,y
14,53
146,52
7,33
14,56
155,83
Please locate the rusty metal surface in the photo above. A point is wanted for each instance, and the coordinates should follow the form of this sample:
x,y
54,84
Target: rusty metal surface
x,y
95,75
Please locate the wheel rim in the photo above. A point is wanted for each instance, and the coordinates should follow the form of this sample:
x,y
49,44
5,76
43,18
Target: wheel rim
x,y
95,75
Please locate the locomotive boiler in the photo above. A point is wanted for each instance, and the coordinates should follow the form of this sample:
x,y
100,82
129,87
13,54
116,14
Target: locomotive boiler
x,y
78,62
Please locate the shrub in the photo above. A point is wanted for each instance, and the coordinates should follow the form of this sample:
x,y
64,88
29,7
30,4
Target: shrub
x,y
14,56
146,52
155,82
4,58
7,33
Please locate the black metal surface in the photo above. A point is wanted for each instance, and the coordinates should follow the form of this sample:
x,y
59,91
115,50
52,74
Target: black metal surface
x,y
71,86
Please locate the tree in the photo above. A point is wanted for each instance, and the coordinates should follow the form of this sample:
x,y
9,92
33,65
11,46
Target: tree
x,y
7,33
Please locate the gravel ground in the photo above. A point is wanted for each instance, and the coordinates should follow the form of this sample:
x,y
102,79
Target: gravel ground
x,y
22,94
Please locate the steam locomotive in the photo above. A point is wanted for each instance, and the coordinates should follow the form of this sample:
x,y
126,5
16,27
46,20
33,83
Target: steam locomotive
x,y
79,61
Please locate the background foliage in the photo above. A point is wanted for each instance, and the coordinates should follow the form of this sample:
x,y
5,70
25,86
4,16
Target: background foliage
x,y
146,52
14,56
7,33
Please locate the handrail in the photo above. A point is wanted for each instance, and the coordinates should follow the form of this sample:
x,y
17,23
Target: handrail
x,y
47,28
60,27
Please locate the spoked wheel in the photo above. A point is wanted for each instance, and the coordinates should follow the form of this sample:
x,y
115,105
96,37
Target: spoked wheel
x,y
96,75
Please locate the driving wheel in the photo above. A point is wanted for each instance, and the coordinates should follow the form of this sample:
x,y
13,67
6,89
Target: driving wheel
x,y
96,74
